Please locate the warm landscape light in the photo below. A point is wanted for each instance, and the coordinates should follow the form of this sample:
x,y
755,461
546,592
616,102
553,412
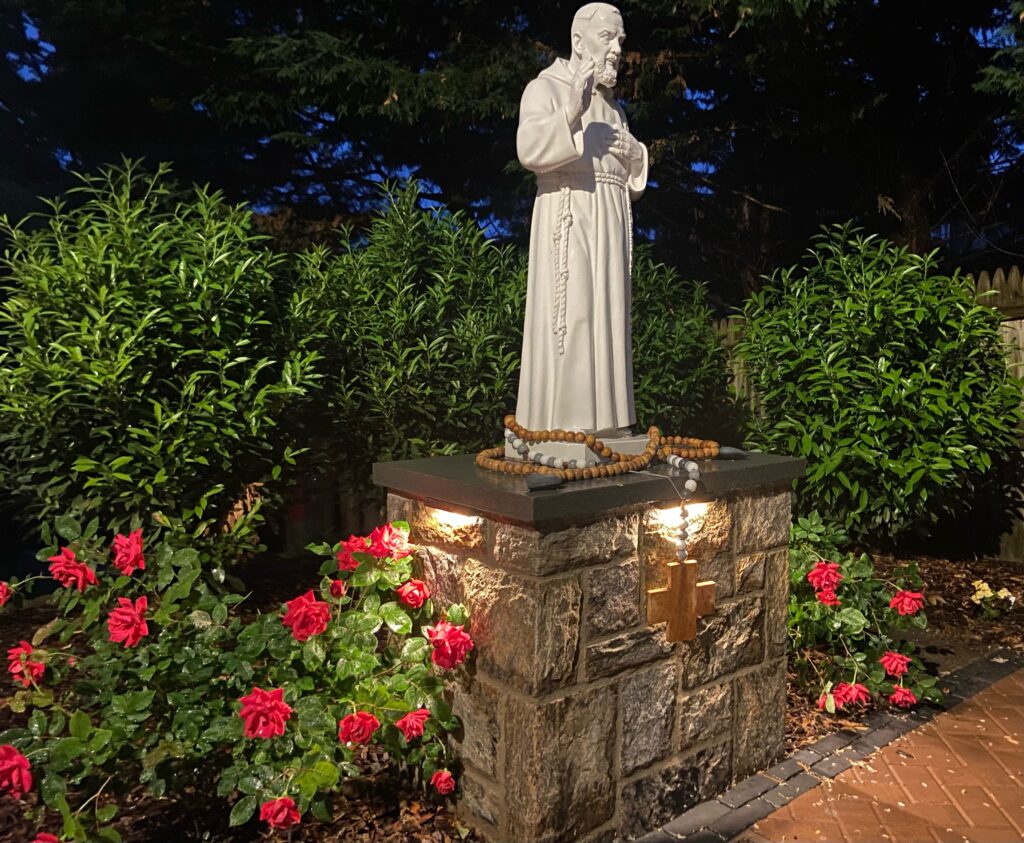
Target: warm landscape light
x,y
452,520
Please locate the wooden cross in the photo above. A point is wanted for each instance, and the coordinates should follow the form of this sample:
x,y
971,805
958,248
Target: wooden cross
x,y
682,602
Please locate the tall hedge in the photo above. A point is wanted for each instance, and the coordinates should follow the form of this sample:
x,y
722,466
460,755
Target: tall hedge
x,y
887,376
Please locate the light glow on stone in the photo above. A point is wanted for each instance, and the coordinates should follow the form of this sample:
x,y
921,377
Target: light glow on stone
x,y
667,521
452,520
696,511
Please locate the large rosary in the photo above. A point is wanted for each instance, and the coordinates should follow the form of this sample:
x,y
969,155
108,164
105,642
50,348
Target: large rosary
x,y
677,451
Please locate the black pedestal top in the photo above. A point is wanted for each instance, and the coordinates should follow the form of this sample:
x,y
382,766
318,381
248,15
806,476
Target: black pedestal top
x,y
458,484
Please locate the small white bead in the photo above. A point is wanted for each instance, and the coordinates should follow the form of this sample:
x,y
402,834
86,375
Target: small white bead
x,y
691,466
690,485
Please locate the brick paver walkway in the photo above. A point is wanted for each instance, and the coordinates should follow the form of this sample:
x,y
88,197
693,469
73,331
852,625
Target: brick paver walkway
x,y
957,779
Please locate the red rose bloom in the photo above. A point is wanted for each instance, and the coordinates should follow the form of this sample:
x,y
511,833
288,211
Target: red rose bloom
x,y
895,664
451,644
443,782
387,541
412,724
903,697
127,623
21,668
46,837
68,571
14,771
338,589
128,553
839,696
264,713
5,593
355,544
280,813
855,693
306,616
907,602
828,597
824,575
413,593
358,727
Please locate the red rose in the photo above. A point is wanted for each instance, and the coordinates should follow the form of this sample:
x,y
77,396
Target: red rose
x,y
903,697
264,713
306,616
895,664
358,727
387,541
907,602
355,544
280,813
824,575
451,644
128,553
18,663
412,724
46,837
838,697
14,771
828,597
338,589
127,623
68,571
6,593
442,780
856,693
414,593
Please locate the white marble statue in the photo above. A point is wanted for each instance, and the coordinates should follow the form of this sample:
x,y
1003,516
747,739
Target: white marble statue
x,y
577,364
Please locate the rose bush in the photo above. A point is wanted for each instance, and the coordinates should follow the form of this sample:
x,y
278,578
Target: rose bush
x,y
843,621
149,674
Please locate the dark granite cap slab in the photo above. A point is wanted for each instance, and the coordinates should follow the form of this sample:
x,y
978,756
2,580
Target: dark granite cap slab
x,y
457,483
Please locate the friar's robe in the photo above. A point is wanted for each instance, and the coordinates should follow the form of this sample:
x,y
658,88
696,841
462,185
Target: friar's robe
x,y
577,362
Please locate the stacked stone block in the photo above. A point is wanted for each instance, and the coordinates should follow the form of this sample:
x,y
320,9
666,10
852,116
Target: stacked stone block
x,y
581,721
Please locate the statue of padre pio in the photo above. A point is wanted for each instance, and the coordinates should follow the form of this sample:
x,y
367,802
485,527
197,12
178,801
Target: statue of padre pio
x,y
577,363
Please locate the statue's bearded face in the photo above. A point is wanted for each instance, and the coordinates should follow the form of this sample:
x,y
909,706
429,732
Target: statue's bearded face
x,y
602,39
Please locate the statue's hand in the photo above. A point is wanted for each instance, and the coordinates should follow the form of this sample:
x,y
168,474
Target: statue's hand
x,y
625,147
582,86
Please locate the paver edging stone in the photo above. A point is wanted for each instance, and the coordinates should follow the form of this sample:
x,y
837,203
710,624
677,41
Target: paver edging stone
x,y
718,819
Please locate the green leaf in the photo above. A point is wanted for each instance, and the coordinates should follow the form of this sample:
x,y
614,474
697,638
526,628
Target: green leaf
x,y
106,813
415,650
37,723
457,614
396,618
243,810
64,751
80,725
325,774
67,527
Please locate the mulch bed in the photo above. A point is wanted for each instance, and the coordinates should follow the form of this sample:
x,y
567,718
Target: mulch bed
x,y
954,622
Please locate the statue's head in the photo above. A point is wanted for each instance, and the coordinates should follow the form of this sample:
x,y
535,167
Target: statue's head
x,y
597,33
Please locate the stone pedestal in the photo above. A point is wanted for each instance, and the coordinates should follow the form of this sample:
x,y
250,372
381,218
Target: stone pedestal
x,y
581,721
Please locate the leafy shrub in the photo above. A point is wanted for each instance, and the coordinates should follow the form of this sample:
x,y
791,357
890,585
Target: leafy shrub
x,y
150,674
680,368
843,619
144,367
886,376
